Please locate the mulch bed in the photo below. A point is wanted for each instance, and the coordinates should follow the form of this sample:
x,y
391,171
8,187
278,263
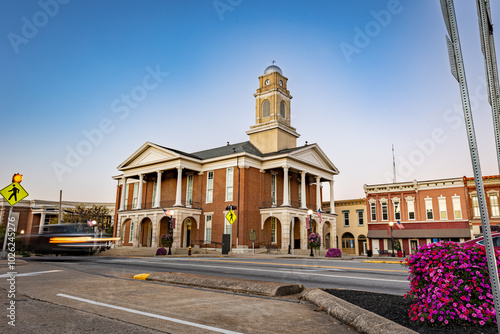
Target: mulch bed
x,y
395,308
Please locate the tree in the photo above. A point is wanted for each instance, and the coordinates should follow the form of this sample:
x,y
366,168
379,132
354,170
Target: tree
x,y
81,214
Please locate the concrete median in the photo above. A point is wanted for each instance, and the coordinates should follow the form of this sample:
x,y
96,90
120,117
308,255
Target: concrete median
x,y
360,319
262,288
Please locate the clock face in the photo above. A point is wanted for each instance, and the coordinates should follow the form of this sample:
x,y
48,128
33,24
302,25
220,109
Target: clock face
x,y
267,82
281,83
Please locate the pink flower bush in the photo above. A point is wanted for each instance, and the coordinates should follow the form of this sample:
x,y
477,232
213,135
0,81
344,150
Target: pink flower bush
x,y
333,252
314,240
450,284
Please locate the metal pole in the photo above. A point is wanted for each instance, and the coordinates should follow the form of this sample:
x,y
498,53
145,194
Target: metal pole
x,y
392,243
490,64
310,231
458,71
3,255
59,221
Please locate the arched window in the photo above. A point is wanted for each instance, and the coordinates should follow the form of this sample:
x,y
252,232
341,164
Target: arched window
x,y
266,109
282,109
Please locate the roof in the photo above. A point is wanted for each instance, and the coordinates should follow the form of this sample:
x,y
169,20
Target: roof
x,y
246,147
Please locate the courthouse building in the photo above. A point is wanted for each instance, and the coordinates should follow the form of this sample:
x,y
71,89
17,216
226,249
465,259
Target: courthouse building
x,y
272,182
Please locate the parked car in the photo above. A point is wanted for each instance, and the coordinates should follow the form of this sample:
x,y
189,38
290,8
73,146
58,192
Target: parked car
x,y
480,241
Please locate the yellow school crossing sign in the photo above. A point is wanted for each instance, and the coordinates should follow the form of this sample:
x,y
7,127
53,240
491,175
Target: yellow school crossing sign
x,y
13,193
231,216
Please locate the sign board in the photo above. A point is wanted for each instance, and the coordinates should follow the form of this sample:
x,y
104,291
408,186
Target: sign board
x,y
13,193
231,216
253,235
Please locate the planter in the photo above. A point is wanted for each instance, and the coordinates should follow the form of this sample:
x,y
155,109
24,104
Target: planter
x,y
400,253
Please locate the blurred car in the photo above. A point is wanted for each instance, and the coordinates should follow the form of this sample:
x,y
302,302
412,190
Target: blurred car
x,y
67,239
480,241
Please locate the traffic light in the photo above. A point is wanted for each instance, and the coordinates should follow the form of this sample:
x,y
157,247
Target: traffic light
x,y
231,207
17,178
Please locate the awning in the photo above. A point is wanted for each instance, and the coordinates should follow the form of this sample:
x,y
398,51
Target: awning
x,y
420,234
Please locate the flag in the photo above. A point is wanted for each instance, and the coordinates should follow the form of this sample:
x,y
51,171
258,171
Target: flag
x,y
319,214
398,224
168,212
89,223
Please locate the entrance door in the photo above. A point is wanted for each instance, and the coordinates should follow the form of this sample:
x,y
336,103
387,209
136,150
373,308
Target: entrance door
x,y
413,246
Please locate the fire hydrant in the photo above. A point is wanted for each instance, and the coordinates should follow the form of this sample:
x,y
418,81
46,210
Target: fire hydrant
x,y
189,251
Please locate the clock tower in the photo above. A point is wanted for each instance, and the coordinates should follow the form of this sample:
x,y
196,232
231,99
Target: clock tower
x,y
272,131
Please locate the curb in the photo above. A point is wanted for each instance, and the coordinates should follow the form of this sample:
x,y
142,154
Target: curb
x,y
270,289
363,321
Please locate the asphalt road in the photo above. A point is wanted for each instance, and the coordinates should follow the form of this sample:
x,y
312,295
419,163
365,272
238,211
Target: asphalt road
x,y
97,295
357,275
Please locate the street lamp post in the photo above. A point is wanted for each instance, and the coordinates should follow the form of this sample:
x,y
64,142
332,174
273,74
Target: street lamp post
x,y
392,239
310,212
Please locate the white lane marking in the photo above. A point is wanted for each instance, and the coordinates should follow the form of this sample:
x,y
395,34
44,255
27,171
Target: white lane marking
x,y
147,314
278,271
30,274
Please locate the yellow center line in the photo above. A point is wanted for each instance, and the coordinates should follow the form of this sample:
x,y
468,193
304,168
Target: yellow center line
x,y
303,265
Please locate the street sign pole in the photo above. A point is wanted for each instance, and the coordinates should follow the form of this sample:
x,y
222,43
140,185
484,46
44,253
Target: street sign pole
x,y
3,255
458,71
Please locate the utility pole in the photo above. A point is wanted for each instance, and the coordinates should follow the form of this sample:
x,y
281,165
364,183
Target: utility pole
x,y
458,71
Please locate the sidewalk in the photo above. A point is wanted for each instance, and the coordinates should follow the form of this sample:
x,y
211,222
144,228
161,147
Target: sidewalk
x,y
259,254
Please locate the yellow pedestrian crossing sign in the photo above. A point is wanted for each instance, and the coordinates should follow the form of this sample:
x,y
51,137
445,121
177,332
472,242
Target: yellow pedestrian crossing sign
x,y
13,193
231,216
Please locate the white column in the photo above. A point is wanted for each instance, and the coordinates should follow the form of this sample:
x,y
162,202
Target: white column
x,y
286,200
156,228
303,203
178,193
139,195
42,223
318,193
137,231
122,200
332,203
158,189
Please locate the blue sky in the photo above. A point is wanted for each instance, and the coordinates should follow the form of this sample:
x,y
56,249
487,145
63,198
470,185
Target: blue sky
x,y
66,66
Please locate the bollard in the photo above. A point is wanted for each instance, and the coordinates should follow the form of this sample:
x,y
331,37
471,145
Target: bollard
x,y
189,251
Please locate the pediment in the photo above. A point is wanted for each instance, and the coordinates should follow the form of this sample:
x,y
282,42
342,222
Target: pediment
x,y
148,154
314,156
151,155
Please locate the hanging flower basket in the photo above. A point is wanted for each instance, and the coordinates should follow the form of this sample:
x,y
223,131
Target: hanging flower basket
x,y
314,240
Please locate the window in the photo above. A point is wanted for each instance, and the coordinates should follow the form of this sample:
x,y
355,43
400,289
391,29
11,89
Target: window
x,y
442,208
495,211
428,208
361,221
374,211
475,206
282,109
127,188
300,193
210,187
134,197
397,211
411,209
273,189
273,230
229,184
208,228
154,193
457,211
266,109
346,217
385,213
131,236
189,191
